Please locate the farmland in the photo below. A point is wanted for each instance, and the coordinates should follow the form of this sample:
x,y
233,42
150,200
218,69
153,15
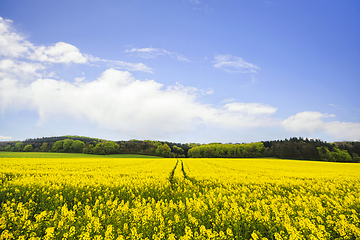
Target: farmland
x,y
77,196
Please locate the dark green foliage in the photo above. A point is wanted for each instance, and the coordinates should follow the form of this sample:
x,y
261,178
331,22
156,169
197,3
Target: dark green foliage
x,y
58,146
8,148
325,154
294,148
108,147
19,146
310,149
28,148
356,158
77,146
67,145
44,147
164,151
336,155
178,151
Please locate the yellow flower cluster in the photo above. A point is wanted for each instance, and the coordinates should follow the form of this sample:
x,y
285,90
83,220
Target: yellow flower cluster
x,y
140,198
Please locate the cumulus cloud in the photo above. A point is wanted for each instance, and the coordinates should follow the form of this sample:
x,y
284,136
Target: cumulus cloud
x,y
237,115
305,122
5,137
155,52
79,79
59,53
14,46
233,64
343,130
250,108
19,69
117,101
309,122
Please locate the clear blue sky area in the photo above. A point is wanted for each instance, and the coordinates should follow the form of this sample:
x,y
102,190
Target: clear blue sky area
x,y
181,71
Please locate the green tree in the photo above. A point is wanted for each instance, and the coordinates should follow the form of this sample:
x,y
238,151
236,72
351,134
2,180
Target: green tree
x,y
44,147
356,158
19,146
88,149
28,148
325,154
58,146
159,150
8,148
163,151
259,149
342,155
108,147
98,149
67,145
195,151
77,146
178,150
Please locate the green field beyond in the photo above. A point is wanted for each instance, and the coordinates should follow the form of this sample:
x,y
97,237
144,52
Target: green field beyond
x,y
78,196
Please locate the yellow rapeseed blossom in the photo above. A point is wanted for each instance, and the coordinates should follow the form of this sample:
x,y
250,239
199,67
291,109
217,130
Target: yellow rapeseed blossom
x,y
155,198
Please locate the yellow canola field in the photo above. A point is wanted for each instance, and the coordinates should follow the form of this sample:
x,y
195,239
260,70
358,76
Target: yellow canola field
x,y
154,198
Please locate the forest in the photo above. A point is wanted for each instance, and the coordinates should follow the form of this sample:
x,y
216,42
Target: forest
x,y
293,148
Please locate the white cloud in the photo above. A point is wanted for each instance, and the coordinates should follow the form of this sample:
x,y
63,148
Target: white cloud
x,y
123,65
132,66
309,122
180,57
233,64
343,130
155,52
19,69
195,1
228,100
304,122
5,138
11,43
117,101
148,52
79,79
59,53
250,108
14,46
237,115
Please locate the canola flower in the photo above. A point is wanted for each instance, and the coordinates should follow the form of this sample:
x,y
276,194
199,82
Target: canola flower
x,y
119,198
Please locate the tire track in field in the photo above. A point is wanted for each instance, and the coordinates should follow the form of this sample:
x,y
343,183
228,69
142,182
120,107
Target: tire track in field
x,y
185,186
175,180
171,175
193,180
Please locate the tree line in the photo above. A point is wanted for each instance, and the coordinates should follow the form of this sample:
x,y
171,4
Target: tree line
x,y
86,145
293,148
314,149
219,150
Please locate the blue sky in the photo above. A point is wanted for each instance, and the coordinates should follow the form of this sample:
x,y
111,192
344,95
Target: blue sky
x,y
181,71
